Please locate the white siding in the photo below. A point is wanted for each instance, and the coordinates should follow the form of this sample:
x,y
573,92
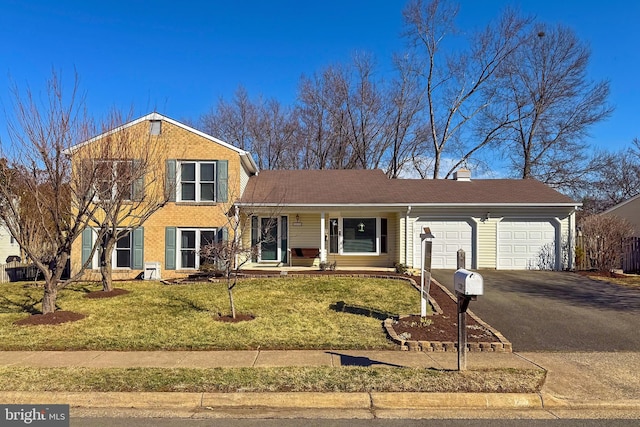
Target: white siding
x,y
487,241
8,246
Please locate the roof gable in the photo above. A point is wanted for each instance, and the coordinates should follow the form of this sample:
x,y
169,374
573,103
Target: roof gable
x,y
248,159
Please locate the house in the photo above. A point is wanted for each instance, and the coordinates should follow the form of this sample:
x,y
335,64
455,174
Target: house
x,y
629,210
9,248
203,174
355,218
360,218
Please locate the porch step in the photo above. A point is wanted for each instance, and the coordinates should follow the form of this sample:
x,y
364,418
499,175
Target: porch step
x,y
273,264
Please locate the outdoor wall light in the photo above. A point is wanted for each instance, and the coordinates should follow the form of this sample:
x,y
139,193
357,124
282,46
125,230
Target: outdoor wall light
x,y
361,227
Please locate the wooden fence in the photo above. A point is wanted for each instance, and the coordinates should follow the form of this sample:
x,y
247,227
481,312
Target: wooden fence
x,y
16,271
631,256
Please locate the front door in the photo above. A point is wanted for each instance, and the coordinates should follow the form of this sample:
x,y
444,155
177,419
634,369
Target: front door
x,y
269,244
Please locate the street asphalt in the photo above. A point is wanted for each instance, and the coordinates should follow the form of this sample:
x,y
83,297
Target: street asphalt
x,y
556,311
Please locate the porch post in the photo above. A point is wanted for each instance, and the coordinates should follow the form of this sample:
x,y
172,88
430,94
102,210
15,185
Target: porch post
x,y
323,250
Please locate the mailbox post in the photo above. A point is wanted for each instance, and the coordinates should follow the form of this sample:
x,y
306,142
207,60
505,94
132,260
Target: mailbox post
x,y
425,270
467,285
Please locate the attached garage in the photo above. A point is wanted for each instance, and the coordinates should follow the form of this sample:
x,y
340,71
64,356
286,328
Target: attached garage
x,y
526,244
449,237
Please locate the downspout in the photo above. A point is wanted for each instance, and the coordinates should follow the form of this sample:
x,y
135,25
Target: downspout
x,y
406,236
572,239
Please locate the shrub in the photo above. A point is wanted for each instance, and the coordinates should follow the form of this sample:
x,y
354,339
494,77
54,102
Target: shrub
x,y
603,238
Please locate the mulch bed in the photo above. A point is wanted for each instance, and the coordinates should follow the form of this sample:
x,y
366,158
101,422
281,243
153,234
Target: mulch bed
x,y
54,318
442,327
239,318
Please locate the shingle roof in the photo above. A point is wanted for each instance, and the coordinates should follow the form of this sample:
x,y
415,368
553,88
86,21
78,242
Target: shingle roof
x,y
372,187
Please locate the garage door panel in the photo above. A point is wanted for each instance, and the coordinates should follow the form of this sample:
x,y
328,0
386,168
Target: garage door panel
x,y
449,237
521,243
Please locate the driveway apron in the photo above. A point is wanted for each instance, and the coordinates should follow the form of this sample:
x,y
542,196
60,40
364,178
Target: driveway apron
x,y
556,311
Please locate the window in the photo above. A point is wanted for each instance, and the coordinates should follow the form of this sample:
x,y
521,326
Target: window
x,y
191,241
122,253
155,127
197,182
114,179
127,253
359,235
333,235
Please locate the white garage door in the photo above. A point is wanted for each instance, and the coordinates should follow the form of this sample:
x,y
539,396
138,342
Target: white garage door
x,y
526,245
449,236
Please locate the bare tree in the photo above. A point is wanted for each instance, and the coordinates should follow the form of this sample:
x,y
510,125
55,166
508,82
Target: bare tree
x,y
343,118
44,203
603,237
544,86
405,102
274,136
617,177
320,127
129,186
232,121
264,127
457,86
231,250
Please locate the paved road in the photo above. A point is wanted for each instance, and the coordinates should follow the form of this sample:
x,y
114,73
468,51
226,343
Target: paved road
x,y
557,311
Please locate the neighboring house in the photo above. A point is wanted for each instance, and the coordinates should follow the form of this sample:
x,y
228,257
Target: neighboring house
x,y
8,245
360,218
206,174
629,210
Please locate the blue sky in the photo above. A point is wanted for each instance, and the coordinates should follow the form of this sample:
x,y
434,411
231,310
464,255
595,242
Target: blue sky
x,y
179,58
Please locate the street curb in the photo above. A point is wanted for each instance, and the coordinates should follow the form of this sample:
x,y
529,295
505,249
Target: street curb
x,y
552,402
311,400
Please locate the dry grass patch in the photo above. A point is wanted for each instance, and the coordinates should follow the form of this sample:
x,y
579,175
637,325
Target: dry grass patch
x,y
627,280
287,379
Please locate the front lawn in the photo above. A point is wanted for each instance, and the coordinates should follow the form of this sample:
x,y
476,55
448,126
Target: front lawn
x,y
291,313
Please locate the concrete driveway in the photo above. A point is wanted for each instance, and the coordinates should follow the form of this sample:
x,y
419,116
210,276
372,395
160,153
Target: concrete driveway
x,y
556,311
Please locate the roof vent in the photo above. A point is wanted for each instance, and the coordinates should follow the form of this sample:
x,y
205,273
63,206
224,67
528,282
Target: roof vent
x,y
462,175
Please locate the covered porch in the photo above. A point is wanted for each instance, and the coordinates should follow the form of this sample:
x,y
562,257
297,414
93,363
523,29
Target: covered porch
x,y
337,239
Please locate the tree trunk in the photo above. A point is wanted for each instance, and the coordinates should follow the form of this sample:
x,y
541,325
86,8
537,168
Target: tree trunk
x,y
232,304
106,266
49,299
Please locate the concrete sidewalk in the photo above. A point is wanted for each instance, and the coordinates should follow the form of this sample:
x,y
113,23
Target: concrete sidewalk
x,y
575,381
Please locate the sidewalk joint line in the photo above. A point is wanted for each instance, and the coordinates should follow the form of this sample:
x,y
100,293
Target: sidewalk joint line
x,y
255,359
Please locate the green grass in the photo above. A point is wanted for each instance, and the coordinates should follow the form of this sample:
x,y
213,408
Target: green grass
x,y
322,379
292,313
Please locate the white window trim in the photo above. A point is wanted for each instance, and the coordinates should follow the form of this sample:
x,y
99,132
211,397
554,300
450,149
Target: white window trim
x,y
114,254
198,239
341,237
197,181
95,260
